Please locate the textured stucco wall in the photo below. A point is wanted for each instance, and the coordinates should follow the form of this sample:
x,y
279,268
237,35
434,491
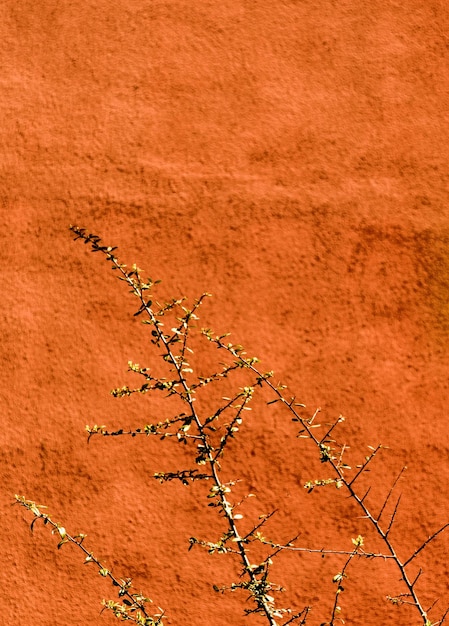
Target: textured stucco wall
x,y
291,158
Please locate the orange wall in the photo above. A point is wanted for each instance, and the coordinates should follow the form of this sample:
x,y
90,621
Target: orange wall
x,y
291,158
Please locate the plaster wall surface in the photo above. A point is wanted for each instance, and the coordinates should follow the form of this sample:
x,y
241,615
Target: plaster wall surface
x,y
291,158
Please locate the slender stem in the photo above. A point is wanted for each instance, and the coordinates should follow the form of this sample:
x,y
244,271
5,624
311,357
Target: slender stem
x,y
341,575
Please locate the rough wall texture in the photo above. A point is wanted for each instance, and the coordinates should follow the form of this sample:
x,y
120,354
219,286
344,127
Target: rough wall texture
x,y
290,157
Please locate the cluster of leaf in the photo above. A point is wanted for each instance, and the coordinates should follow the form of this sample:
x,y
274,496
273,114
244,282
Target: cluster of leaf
x,y
208,435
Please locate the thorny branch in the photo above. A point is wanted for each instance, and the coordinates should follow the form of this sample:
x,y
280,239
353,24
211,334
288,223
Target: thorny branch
x,y
259,586
327,456
191,428
133,607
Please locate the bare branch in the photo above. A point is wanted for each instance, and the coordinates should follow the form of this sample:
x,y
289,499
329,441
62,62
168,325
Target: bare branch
x,y
393,516
390,492
426,542
365,464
